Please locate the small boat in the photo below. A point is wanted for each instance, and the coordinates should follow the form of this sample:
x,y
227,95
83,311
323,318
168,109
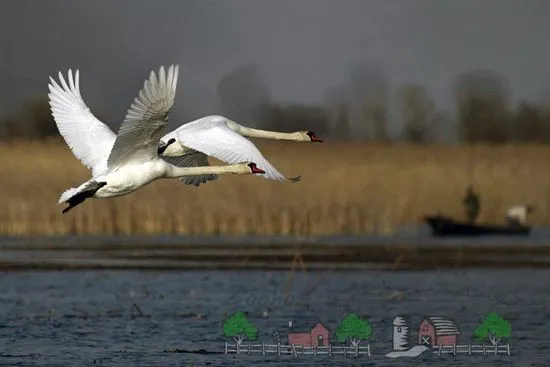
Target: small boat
x,y
445,226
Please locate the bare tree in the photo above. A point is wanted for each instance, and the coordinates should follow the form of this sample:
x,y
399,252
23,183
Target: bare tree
x,y
336,108
370,88
531,123
482,101
417,113
33,120
244,95
297,117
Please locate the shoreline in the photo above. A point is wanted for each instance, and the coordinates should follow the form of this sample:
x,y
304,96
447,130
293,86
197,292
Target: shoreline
x,y
267,253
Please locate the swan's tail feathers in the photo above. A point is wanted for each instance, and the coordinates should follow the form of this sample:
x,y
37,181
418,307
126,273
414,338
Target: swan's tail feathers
x,y
294,179
76,196
67,195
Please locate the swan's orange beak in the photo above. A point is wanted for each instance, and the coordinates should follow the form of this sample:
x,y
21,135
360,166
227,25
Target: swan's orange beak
x,y
254,168
313,137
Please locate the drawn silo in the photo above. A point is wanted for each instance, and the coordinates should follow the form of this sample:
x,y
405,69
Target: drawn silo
x,y
400,334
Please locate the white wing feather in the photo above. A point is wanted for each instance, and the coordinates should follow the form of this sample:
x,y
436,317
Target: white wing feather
x,y
139,135
220,142
89,139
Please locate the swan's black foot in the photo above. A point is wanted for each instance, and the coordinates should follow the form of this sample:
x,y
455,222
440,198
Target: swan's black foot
x,y
87,192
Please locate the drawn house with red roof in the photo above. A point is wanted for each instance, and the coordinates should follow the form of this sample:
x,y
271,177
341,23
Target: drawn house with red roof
x,y
438,331
309,335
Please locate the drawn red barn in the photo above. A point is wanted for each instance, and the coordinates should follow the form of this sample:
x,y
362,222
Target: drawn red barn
x,y
438,331
318,335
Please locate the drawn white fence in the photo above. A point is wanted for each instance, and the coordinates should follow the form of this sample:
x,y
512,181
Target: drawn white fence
x,y
472,349
292,349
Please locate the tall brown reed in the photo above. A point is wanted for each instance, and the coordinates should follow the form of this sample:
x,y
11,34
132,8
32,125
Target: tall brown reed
x,y
346,189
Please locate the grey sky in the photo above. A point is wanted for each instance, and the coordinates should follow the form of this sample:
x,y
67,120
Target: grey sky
x,y
303,46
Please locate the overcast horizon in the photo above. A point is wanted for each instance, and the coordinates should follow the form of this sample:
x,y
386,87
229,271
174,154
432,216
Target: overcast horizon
x,y
303,49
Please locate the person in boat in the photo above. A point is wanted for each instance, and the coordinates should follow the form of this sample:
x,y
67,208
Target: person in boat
x,y
517,215
471,204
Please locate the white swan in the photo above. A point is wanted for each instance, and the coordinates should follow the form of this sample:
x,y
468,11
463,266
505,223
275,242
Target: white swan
x,y
224,139
122,164
187,146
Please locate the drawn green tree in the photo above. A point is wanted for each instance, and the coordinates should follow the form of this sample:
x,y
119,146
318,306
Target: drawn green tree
x,y
494,327
354,328
238,327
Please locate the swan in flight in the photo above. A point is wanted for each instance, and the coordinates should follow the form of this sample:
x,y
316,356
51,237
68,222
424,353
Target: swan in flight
x,y
187,146
123,163
224,139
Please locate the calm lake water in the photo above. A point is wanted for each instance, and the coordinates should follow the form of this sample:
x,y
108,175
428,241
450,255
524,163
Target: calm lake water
x,y
130,318
421,235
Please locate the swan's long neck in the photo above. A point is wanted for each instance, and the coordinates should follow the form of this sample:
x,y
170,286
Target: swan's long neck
x,y
264,134
172,171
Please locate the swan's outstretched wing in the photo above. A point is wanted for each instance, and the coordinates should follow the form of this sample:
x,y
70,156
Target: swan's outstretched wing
x,y
193,159
220,142
138,137
89,139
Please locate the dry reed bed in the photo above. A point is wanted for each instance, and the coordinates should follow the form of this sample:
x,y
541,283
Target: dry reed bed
x,y
346,189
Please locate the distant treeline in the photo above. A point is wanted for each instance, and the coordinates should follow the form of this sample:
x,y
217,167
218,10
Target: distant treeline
x,y
364,109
